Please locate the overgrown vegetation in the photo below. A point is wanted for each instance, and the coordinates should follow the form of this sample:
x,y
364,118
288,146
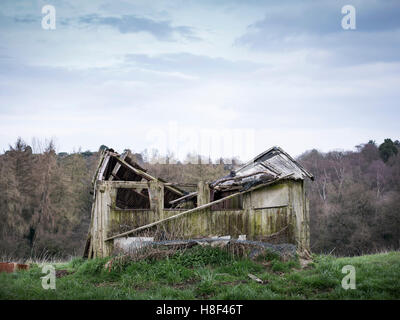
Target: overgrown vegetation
x,y
211,273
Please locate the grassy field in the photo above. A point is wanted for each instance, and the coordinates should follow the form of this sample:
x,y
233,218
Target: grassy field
x,y
211,273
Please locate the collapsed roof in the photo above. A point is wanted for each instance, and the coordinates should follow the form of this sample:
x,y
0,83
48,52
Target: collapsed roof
x,y
113,166
271,165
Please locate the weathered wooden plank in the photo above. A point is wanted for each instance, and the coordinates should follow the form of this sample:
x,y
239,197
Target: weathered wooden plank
x,y
178,184
183,198
156,194
98,167
130,185
103,167
114,173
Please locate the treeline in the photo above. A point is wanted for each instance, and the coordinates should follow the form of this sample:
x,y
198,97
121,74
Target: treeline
x,y
355,199
45,197
44,201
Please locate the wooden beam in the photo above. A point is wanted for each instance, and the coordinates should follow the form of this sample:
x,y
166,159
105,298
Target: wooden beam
x,y
147,176
272,207
129,184
156,193
195,209
177,184
117,166
184,197
203,193
103,167
102,154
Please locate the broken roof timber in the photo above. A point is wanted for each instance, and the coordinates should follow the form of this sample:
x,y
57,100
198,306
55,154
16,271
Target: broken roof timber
x,y
118,166
122,161
149,177
189,195
267,166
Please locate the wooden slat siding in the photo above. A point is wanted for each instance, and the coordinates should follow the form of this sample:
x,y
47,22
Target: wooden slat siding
x,y
272,207
258,222
98,227
266,228
95,226
233,223
87,251
156,194
101,215
267,222
203,197
220,223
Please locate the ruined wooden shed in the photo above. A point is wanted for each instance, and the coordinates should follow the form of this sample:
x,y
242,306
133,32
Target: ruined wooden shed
x,y
264,199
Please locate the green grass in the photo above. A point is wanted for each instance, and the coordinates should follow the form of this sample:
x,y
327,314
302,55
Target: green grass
x,y
211,273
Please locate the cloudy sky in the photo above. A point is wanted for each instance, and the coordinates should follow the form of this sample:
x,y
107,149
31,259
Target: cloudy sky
x,y
222,77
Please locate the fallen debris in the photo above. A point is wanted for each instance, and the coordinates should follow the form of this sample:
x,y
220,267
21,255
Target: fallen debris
x,y
132,243
305,258
253,277
250,249
305,263
108,265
